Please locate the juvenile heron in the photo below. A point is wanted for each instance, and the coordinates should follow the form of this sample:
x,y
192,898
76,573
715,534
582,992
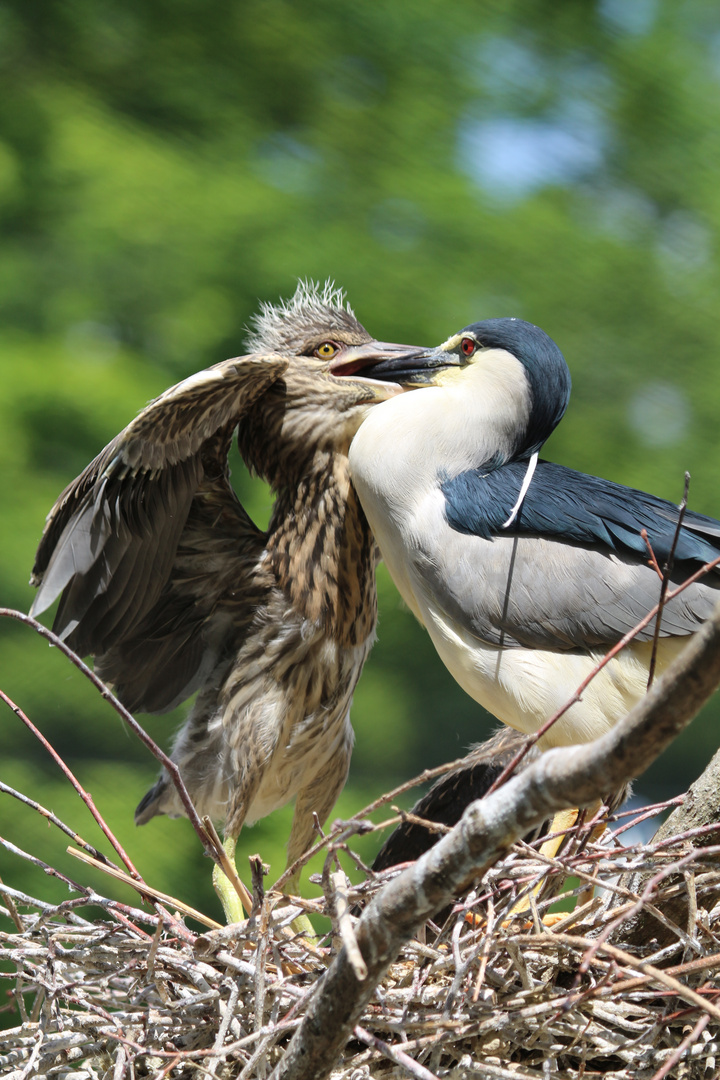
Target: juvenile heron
x,y
167,582
525,573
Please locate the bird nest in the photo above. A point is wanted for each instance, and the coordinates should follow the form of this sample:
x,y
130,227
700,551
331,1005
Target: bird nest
x,y
498,990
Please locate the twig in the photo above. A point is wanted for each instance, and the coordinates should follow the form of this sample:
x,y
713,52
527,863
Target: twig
x,y
55,820
433,827
227,866
345,930
636,963
46,868
144,889
126,716
689,1039
610,655
667,571
84,795
13,911
651,554
394,1054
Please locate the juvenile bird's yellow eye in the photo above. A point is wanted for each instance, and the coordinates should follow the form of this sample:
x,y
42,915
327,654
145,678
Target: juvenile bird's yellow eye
x,y
326,350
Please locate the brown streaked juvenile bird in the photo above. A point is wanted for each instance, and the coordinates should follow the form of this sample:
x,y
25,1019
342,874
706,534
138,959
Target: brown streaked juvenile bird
x,y
171,587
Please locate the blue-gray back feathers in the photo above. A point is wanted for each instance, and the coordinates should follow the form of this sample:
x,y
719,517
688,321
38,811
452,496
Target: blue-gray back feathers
x,y
571,506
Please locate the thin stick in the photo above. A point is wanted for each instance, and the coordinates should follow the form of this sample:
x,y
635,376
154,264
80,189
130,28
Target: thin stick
x,y
228,867
651,554
344,925
394,1054
5,789
638,964
144,889
667,571
631,634
14,913
69,775
127,717
687,1042
382,800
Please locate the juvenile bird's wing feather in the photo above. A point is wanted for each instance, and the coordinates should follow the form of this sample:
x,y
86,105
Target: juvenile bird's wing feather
x,y
119,542
520,586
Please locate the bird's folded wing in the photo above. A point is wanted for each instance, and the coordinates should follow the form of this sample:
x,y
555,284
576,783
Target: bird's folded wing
x,y
573,570
111,540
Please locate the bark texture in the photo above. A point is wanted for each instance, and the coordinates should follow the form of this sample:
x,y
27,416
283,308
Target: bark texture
x,y
700,808
573,776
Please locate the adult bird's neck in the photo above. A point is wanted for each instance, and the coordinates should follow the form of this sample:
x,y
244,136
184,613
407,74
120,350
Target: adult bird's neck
x,y
322,552
406,443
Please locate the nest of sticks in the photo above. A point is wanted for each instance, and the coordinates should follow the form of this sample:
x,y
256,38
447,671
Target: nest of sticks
x,y
623,984
497,990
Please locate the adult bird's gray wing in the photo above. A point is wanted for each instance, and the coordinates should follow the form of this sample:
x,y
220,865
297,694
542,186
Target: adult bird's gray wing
x,y
143,542
573,569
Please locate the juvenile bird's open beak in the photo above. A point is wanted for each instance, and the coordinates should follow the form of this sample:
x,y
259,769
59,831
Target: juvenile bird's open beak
x,y
357,359
404,364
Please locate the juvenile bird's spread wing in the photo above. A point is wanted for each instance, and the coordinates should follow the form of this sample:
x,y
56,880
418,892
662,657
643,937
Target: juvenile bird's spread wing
x,y
136,542
520,586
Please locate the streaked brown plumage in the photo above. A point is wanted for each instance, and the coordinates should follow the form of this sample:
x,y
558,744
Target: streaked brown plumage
x,y
172,588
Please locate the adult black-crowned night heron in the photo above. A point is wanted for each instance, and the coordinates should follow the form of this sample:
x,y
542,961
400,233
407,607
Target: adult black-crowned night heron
x,y
525,573
167,582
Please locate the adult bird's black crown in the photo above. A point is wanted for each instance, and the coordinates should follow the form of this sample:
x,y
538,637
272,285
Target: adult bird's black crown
x,y
166,581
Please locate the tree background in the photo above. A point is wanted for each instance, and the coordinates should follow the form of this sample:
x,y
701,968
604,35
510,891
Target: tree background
x,y
166,165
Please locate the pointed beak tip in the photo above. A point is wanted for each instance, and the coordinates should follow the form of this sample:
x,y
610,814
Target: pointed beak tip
x,y
382,361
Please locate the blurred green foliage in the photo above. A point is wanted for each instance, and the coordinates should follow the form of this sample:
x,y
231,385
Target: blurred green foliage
x,y
165,165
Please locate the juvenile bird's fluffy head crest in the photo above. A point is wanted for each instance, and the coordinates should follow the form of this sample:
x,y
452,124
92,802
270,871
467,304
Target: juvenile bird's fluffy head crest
x,y
288,325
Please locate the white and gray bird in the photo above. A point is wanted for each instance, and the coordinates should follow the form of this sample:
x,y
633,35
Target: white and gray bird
x,y
524,572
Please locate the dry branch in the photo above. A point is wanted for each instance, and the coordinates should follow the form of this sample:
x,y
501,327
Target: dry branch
x,y
572,776
505,997
697,821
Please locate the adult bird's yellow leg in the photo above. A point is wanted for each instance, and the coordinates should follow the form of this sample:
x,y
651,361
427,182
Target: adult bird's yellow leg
x,y
563,820
234,897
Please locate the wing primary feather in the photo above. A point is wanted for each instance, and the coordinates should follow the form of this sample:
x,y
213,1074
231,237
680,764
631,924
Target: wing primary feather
x,y
111,540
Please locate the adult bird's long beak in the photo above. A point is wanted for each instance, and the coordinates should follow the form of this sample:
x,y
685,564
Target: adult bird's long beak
x,y
407,365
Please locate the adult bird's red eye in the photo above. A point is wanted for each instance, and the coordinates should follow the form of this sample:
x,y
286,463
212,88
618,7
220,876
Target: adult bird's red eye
x,y
468,346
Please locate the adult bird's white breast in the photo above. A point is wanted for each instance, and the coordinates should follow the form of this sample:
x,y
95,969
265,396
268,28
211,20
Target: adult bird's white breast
x,y
394,456
524,579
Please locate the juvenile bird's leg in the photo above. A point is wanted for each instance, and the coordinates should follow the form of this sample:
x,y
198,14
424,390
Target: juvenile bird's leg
x,y
318,797
234,896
